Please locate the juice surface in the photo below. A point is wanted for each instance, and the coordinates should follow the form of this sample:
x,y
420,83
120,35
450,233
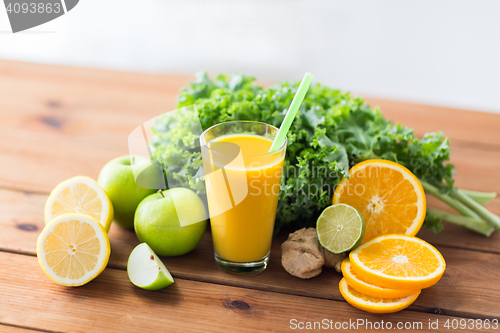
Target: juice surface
x,y
244,232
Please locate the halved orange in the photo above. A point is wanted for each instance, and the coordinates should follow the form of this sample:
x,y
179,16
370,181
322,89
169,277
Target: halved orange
x,y
398,262
390,198
370,289
374,304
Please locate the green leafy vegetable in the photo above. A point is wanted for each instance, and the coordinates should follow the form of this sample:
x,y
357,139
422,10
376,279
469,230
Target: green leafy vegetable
x,y
332,132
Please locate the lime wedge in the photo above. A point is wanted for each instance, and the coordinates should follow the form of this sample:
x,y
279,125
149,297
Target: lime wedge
x,y
340,228
146,270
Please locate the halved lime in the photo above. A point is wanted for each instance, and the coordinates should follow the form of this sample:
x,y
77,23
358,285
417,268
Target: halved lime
x,y
146,270
340,228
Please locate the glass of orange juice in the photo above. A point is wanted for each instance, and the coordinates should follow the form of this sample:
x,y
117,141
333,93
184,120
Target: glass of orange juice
x,y
242,181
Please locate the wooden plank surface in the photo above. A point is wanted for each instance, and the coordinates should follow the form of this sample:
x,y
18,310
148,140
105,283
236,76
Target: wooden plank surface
x,y
58,122
458,125
17,329
96,106
200,306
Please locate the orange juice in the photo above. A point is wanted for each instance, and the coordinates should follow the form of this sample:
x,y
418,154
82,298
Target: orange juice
x,y
244,232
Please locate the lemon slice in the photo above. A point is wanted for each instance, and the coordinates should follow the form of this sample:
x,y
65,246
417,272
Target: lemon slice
x,y
80,195
73,249
374,304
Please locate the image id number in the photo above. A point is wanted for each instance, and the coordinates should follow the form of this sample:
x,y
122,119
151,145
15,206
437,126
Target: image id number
x,y
471,324
34,7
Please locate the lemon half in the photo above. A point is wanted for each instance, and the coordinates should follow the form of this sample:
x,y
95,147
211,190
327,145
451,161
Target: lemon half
x,y
73,249
81,195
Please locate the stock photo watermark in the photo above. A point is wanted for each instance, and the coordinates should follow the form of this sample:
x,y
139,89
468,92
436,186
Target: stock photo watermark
x,y
27,14
366,324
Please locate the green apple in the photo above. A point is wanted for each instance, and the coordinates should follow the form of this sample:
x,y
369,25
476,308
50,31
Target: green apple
x,y
171,222
146,270
117,179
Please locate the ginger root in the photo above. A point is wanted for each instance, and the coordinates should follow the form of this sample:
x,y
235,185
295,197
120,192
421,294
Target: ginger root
x,y
302,255
333,260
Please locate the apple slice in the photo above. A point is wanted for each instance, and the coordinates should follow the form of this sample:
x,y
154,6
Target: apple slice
x,y
146,270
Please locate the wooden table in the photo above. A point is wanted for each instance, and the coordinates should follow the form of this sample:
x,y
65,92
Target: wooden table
x,y
58,122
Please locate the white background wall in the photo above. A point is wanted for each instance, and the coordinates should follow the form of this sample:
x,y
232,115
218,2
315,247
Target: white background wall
x,y
444,52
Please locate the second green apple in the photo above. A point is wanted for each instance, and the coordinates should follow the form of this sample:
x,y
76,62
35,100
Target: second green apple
x,y
171,222
117,179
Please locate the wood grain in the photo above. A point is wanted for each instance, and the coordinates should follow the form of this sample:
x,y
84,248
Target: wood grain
x,y
459,125
88,105
38,163
104,305
476,169
16,329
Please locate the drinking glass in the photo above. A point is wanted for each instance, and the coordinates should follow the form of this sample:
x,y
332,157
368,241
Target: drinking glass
x,y
242,184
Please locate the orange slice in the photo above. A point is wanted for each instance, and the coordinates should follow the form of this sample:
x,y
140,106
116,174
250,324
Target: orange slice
x,y
73,249
374,304
370,289
390,198
398,262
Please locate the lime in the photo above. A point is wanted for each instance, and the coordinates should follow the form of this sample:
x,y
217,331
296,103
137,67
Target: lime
x,y
146,270
340,228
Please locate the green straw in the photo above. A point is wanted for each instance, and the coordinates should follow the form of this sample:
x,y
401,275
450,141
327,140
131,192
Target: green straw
x,y
292,112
